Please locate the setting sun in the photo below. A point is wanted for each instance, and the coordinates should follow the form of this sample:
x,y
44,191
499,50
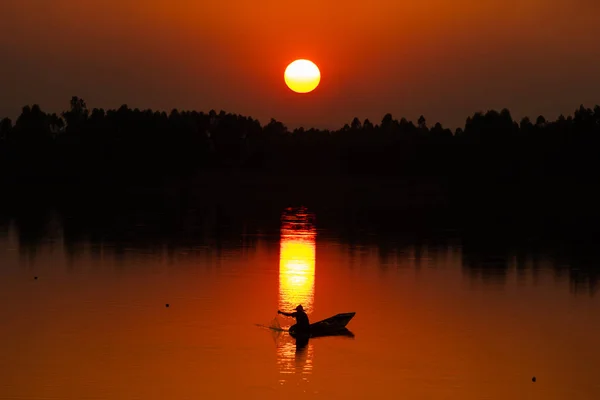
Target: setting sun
x,y
302,76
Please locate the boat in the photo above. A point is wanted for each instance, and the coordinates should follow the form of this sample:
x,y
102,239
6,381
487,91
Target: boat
x,y
332,326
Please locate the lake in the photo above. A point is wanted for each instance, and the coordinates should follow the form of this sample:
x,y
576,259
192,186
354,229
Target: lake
x,y
446,316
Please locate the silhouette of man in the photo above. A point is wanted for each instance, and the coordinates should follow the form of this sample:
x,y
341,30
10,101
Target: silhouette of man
x,y
302,324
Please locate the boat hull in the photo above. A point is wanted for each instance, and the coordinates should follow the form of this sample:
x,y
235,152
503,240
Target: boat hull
x,y
333,326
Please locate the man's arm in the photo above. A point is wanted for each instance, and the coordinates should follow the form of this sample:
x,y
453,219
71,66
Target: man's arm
x,y
285,313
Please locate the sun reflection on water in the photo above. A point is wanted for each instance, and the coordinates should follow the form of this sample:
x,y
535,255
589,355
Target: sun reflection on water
x,y
297,261
295,360
296,286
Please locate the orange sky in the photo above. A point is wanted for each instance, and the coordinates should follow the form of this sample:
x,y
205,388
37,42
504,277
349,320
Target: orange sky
x,y
442,58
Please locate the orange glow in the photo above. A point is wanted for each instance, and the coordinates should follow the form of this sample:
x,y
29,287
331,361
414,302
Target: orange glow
x,y
302,76
297,262
373,64
96,323
294,360
296,286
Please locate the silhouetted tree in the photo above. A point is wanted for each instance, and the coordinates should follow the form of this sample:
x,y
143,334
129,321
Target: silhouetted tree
x,y
540,122
387,121
356,125
32,123
525,124
77,114
275,128
422,123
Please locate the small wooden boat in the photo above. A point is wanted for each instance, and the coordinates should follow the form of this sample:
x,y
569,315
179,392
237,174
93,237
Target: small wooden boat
x,y
332,326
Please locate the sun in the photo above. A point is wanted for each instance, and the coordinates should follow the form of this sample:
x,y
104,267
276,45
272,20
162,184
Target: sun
x,y
302,76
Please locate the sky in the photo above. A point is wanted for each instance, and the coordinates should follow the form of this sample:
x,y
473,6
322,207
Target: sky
x,y
445,59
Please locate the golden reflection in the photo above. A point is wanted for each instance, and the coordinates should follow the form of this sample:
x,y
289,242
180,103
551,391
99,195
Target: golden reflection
x,y
297,260
294,359
296,286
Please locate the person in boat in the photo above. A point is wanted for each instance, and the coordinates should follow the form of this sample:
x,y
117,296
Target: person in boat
x,y
302,324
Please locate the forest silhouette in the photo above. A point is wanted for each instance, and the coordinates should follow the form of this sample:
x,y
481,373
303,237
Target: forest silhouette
x,y
492,163
144,145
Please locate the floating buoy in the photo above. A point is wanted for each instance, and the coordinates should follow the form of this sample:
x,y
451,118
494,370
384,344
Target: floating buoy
x,y
533,379
35,277
167,305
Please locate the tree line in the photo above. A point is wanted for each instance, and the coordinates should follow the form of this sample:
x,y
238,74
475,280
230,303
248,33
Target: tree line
x,y
146,144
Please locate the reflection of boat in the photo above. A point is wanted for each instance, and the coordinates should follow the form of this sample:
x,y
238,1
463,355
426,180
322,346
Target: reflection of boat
x,y
332,326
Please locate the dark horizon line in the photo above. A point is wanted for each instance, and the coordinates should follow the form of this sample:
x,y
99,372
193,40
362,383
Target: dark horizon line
x,y
388,115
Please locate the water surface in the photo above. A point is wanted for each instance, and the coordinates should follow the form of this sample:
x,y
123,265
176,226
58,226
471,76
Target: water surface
x,y
435,319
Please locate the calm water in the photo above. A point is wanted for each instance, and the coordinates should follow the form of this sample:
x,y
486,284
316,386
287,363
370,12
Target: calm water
x,y
433,321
